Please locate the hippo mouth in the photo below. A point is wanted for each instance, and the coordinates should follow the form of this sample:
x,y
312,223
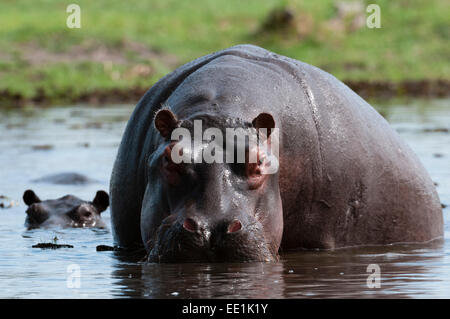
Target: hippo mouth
x,y
172,243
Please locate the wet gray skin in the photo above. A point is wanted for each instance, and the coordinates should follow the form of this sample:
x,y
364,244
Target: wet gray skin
x,y
346,178
67,211
214,213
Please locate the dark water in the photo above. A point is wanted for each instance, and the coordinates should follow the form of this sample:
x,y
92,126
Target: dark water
x,y
38,142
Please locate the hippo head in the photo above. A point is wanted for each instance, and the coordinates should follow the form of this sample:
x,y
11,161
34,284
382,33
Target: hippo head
x,y
198,209
68,211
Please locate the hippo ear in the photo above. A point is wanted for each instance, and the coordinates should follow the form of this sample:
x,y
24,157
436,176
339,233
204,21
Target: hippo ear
x,y
101,201
165,122
264,121
29,197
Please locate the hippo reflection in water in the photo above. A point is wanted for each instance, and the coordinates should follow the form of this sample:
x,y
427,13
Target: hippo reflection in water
x,y
345,177
67,211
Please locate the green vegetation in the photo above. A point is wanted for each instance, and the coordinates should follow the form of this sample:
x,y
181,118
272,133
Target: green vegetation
x,y
131,44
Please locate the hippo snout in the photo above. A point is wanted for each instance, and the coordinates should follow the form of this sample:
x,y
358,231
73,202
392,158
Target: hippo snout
x,y
194,240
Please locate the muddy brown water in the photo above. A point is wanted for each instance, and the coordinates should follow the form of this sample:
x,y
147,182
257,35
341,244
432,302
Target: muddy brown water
x,y
37,142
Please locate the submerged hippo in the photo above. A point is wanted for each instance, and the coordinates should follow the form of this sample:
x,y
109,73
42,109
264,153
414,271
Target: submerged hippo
x,y
67,211
345,177
68,178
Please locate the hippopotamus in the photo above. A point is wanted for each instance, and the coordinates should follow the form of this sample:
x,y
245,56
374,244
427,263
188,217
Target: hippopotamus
x,y
69,178
67,211
344,178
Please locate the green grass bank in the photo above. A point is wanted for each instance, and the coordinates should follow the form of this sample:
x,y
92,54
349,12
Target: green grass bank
x,y
123,47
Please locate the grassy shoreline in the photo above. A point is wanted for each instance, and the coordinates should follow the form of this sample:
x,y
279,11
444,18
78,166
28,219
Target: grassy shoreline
x,y
368,90
123,48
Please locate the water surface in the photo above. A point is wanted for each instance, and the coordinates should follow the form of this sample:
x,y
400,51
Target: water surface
x,y
37,142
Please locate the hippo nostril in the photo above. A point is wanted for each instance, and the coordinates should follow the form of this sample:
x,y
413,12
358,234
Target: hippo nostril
x,y
190,225
234,226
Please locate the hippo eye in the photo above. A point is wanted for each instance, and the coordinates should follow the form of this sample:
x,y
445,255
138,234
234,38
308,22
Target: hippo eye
x,y
255,167
254,171
166,160
168,164
171,170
